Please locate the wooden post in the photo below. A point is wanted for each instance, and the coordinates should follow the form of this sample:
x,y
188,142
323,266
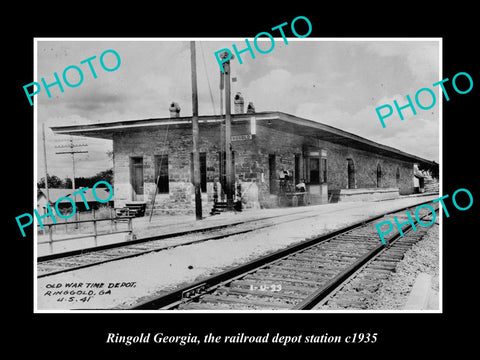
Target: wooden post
x,y
50,236
45,161
73,187
111,218
95,231
196,155
228,135
222,140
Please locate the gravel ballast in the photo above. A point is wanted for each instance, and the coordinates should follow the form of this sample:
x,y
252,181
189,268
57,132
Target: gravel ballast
x,y
423,257
123,284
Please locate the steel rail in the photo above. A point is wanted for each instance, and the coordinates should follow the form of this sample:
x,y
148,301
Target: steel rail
x,y
157,249
209,284
153,238
313,299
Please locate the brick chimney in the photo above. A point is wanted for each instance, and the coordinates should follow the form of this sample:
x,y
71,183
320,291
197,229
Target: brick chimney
x,y
174,110
238,103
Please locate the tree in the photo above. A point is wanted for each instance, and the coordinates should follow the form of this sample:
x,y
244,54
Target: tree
x,y
433,169
54,182
67,183
106,175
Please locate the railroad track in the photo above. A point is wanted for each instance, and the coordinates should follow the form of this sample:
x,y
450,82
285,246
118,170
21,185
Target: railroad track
x,y
74,260
300,276
359,291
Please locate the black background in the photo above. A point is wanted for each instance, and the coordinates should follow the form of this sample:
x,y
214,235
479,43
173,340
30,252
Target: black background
x,y
70,335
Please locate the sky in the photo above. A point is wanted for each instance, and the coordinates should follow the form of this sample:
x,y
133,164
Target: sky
x,y
335,82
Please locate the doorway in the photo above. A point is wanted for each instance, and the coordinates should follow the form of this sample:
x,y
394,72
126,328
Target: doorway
x,y
379,176
297,176
272,173
161,174
136,178
351,174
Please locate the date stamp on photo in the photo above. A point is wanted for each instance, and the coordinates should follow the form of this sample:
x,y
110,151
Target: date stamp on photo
x,y
266,287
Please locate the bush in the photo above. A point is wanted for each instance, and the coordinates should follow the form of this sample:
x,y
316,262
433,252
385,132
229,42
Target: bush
x,y
104,212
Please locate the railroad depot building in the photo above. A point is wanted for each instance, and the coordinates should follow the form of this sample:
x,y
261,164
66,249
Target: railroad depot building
x,y
335,165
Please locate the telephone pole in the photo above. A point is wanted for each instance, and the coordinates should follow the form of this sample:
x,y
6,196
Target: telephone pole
x,y
196,155
226,133
72,151
228,139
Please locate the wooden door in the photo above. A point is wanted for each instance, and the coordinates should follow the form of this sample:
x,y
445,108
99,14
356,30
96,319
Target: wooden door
x,y
137,178
351,174
272,173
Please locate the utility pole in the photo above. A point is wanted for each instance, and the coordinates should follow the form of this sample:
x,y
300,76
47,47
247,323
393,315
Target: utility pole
x,y
196,155
222,86
228,135
222,138
72,152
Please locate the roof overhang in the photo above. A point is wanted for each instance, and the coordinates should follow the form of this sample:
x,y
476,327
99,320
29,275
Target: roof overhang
x,y
275,120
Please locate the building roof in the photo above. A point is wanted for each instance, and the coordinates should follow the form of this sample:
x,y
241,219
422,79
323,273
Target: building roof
x,y
55,194
276,120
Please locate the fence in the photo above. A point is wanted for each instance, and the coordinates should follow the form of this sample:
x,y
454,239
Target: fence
x,y
114,220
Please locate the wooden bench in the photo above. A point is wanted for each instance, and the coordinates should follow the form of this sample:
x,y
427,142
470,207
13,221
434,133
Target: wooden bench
x,y
136,209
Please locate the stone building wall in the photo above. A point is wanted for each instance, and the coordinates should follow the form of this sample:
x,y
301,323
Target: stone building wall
x,y
251,164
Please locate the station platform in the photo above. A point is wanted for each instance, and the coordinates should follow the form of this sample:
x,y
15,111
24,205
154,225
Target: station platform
x,y
143,227
333,216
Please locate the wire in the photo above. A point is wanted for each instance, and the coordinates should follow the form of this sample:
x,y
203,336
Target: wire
x,y
208,79
159,173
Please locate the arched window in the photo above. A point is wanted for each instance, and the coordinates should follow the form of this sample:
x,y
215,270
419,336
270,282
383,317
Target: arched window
x,y
379,176
351,174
